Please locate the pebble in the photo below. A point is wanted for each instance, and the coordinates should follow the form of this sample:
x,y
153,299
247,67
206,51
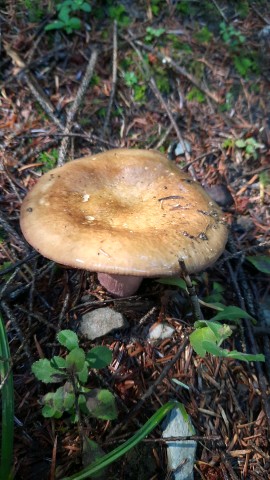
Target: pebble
x,y
180,452
100,322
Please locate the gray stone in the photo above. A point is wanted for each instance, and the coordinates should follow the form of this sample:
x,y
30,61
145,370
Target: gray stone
x,y
180,454
100,322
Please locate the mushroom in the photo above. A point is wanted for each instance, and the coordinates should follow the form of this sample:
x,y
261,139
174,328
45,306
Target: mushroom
x,y
126,214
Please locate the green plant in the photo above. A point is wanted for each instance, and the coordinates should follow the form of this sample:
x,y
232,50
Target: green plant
x,y
73,397
48,159
203,35
66,21
248,146
7,401
210,334
153,33
232,37
119,13
195,94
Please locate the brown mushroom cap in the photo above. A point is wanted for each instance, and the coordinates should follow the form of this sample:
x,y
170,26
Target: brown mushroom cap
x,y
128,212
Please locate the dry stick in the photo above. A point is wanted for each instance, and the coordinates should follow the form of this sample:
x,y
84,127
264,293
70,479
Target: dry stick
x,y
37,92
114,80
182,71
34,86
74,107
157,93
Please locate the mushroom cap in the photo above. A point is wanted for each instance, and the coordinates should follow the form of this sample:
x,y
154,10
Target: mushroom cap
x,y
124,211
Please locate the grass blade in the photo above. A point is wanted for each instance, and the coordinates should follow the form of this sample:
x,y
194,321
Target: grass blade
x,y
7,405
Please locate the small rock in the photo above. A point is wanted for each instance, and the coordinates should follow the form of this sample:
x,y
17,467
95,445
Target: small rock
x,y
160,331
100,322
180,454
220,194
179,148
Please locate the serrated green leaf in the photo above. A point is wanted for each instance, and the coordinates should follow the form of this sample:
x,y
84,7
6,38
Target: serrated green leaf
x,y
83,374
76,359
68,339
58,362
43,371
261,262
240,143
232,314
101,404
99,357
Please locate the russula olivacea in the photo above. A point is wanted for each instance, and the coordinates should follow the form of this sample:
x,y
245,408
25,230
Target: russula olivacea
x,y
125,214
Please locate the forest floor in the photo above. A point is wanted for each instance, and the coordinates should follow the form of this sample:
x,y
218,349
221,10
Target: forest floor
x,y
165,72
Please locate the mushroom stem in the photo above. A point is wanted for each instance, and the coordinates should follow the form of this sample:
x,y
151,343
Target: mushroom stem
x,y
120,285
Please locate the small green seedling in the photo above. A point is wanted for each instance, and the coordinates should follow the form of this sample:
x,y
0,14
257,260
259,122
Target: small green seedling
x,y
66,21
73,370
248,146
232,37
153,33
210,334
49,159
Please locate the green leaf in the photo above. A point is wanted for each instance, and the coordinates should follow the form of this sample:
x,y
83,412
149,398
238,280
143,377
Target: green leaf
x,y
261,262
48,411
91,453
232,314
68,339
64,14
58,362
64,398
177,282
44,371
76,359
56,25
101,404
99,357
198,337
130,78
74,23
240,143
83,374
86,8
214,305
221,352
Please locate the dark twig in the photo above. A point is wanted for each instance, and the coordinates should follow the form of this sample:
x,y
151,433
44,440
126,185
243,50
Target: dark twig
x,y
12,232
196,309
